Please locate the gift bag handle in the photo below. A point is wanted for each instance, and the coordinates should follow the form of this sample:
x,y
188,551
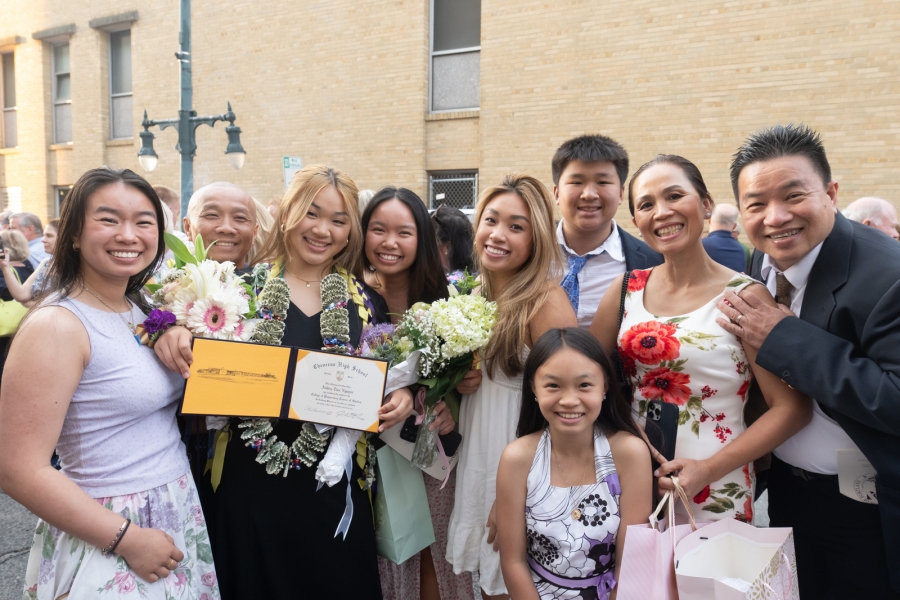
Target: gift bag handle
x,y
670,498
787,592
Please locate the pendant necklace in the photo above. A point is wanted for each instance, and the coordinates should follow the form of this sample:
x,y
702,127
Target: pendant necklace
x,y
308,282
129,323
576,513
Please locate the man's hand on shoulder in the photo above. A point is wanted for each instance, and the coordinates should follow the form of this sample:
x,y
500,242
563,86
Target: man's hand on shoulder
x,y
751,317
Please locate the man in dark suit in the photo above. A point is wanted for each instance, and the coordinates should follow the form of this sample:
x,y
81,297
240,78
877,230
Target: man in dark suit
x,y
589,175
721,243
842,281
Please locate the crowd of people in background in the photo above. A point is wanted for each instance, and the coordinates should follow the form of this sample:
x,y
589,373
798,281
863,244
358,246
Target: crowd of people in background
x,y
594,326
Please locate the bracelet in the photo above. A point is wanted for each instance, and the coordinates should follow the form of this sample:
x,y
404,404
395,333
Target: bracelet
x,y
113,544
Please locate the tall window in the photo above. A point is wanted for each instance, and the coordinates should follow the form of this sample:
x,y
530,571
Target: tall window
x,y
121,120
455,54
10,133
62,95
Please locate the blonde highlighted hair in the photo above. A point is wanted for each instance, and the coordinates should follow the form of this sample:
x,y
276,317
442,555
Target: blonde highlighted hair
x,y
524,294
305,186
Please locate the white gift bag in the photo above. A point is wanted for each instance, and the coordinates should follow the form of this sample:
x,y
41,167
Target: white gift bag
x,y
731,560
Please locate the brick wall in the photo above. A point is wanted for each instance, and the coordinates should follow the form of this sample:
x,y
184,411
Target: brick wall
x,y
346,83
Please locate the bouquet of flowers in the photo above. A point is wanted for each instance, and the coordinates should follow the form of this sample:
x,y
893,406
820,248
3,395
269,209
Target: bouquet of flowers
x,y
203,295
435,345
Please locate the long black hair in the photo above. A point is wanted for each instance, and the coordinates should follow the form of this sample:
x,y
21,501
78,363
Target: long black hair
x,y
615,414
453,228
65,268
426,276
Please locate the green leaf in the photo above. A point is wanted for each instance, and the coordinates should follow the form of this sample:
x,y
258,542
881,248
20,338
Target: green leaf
x,y
694,403
683,417
180,251
642,407
726,503
48,544
204,553
737,282
153,287
199,248
714,508
695,427
676,320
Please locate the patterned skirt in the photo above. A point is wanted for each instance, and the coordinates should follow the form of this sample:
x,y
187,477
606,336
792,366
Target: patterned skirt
x,y
61,564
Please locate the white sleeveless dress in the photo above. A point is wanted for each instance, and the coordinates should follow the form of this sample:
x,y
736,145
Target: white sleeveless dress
x,y
487,422
690,361
573,557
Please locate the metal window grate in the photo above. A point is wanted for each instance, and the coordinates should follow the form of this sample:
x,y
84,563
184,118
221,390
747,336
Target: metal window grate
x,y
459,190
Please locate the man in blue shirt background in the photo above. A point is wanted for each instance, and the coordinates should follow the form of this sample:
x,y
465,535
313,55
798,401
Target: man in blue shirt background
x,y
720,243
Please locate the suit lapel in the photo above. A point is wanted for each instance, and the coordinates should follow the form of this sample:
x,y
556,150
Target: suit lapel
x,y
829,272
632,252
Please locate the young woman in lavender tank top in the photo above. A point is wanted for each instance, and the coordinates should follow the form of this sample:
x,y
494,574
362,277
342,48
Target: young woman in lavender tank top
x,y
121,518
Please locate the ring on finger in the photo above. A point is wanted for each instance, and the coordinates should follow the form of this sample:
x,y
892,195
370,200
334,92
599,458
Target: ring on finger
x,y
174,564
738,322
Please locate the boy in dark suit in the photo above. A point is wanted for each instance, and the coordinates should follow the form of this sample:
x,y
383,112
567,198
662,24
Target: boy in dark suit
x,y
589,175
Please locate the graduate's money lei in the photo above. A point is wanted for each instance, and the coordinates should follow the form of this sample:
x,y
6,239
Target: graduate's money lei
x,y
274,299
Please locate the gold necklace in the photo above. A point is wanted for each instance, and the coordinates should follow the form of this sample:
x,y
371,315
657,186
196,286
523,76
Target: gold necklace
x,y
306,281
576,514
129,323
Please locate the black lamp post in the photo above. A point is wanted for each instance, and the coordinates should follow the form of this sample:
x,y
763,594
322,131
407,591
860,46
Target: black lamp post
x,y
188,122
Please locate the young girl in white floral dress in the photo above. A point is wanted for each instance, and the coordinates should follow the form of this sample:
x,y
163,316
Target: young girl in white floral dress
x,y
673,350
576,478
121,519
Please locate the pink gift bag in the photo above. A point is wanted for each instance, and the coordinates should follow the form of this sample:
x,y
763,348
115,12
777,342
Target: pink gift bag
x,y
730,560
648,562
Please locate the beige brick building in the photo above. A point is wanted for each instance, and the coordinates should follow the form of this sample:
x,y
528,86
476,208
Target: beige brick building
x,y
350,83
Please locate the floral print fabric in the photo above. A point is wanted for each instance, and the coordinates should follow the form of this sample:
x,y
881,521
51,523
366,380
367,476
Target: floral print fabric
x,y
60,563
569,557
691,362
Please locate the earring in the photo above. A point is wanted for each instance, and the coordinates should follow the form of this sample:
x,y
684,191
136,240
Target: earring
x,y
74,246
708,215
604,396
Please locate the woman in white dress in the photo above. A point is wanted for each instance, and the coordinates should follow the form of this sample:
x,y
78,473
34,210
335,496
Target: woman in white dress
x,y
520,264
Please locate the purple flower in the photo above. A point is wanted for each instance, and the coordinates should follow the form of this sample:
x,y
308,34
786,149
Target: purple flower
x,y
158,320
377,334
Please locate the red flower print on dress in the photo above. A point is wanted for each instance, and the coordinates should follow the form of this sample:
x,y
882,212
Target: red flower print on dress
x,y
627,363
702,496
666,385
651,342
638,280
722,433
707,392
742,391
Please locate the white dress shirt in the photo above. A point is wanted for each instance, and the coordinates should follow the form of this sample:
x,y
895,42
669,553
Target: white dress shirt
x,y
606,262
814,447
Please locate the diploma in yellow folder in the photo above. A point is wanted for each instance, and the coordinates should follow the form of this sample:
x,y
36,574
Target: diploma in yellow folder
x,y
239,379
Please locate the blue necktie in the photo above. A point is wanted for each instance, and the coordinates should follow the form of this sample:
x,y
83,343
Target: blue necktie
x,y
570,281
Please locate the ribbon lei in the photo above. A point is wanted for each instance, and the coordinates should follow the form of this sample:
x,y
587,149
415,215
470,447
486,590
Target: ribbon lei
x,y
420,408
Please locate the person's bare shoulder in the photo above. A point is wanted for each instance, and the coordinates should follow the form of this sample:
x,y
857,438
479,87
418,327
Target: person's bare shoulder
x,y
520,453
629,451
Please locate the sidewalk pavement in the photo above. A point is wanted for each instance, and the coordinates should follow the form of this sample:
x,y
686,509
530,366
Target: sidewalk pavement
x,y
16,532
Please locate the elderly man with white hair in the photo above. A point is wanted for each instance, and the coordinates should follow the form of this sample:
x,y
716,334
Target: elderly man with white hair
x,y
874,212
720,244
225,216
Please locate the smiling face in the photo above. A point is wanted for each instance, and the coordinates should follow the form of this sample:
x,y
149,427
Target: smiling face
x,y
504,239
786,207
569,388
323,232
120,236
391,238
226,217
668,210
588,195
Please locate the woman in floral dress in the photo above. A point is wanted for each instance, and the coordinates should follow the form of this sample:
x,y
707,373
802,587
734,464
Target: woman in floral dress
x,y
121,519
673,350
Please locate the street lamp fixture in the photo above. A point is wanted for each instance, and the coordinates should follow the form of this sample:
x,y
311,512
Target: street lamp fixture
x,y
146,155
188,122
